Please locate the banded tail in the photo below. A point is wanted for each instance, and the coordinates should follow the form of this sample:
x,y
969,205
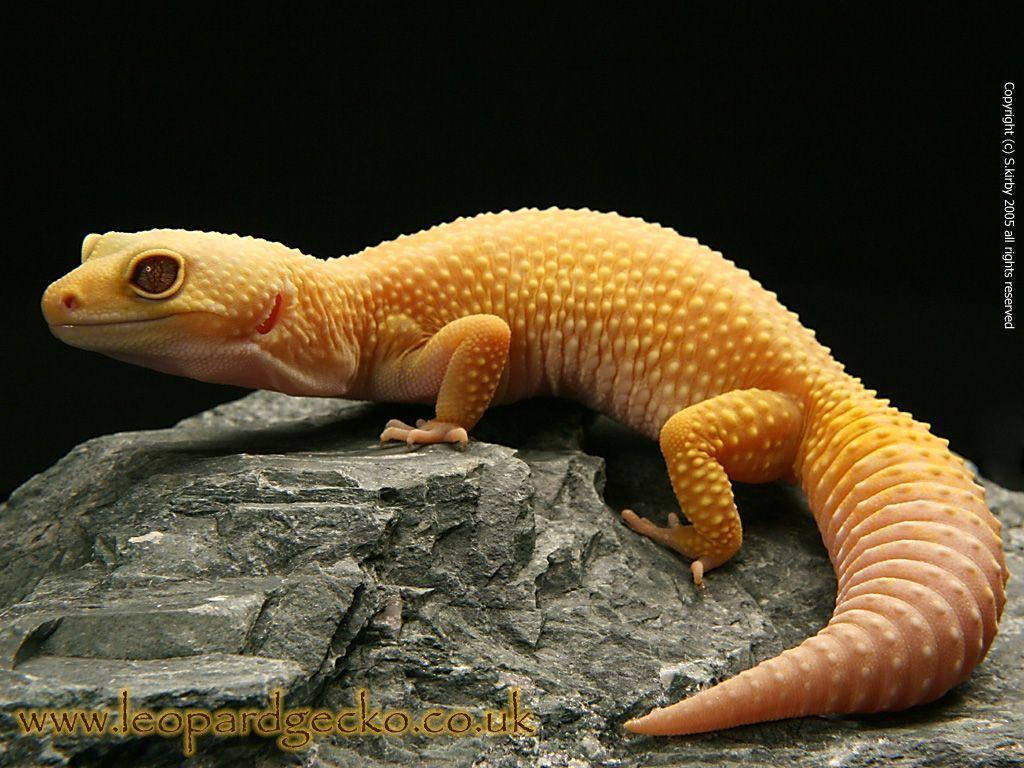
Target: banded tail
x,y
920,567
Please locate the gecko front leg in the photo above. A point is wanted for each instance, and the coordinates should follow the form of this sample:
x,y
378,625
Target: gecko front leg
x,y
462,365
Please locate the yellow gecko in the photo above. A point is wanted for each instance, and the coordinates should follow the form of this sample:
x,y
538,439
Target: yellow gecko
x,y
635,321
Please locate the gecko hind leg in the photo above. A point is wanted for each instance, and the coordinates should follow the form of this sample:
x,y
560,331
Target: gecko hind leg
x,y
747,435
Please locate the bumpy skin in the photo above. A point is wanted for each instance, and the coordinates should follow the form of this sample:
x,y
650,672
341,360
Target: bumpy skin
x,y
651,328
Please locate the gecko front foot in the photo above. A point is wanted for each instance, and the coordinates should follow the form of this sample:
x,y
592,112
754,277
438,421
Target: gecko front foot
x,y
424,433
684,539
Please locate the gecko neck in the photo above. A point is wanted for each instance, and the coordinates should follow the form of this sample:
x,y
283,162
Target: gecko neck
x,y
315,346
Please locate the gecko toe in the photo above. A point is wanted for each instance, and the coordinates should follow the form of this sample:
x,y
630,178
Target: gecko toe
x,y
394,433
395,430
697,569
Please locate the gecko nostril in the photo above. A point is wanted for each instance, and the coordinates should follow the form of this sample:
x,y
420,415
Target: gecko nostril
x,y
69,300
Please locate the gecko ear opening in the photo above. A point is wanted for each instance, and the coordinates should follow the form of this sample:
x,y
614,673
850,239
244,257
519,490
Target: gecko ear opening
x,y
89,245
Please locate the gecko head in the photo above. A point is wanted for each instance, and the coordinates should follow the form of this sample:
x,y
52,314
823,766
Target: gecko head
x,y
196,304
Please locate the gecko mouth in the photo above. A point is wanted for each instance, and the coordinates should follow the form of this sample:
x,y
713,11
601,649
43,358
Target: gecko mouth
x,y
107,324
119,323
126,334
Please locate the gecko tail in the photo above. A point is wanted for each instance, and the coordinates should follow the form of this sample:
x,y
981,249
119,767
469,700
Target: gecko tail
x,y
920,568
775,689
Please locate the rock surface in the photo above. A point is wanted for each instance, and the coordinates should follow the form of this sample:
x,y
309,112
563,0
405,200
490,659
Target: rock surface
x,y
271,543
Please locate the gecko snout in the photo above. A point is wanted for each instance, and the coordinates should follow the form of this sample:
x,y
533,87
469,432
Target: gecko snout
x,y
61,304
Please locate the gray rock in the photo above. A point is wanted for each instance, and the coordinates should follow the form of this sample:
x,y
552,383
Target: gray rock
x,y
271,543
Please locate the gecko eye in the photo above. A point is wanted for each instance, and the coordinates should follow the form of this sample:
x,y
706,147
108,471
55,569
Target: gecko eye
x,y
156,275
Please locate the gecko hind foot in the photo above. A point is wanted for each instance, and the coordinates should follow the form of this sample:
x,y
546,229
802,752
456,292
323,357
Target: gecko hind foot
x,y
424,433
674,536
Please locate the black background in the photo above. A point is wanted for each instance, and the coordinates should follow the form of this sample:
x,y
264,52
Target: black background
x,y
850,160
